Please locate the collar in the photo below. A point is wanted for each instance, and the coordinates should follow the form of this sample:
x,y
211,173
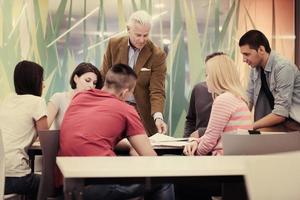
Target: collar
x,y
130,46
269,64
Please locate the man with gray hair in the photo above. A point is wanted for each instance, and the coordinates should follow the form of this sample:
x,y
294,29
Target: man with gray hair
x,y
149,63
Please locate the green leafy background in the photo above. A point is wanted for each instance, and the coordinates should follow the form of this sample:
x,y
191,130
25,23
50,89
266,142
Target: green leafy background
x,y
44,32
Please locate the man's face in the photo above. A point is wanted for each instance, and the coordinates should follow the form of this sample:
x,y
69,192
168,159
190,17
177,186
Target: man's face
x,y
251,56
139,35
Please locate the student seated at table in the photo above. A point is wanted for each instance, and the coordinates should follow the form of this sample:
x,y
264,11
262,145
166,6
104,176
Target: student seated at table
x,y
84,77
97,120
199,111
229,113
229,110
22,114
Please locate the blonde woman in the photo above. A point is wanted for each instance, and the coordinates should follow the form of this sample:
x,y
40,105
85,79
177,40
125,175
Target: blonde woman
x,y
229,110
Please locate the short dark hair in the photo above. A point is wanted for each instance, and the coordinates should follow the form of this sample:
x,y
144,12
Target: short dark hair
x,y
83,68
120,76
210,56
28,78
254,39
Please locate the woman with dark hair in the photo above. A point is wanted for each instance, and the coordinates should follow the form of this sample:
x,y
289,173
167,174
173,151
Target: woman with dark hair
x,y
84,77
22,114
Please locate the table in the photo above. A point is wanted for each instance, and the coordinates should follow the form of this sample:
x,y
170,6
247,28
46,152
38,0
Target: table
x,y
36,149
33,150
228,169
275,177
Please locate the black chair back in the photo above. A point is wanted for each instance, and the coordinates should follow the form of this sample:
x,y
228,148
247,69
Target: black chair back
x,y
2,170
50,145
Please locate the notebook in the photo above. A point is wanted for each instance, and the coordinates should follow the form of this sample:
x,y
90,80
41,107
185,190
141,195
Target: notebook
x,y
161,140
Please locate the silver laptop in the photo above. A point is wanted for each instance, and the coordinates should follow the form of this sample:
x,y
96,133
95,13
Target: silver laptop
x,y
256,144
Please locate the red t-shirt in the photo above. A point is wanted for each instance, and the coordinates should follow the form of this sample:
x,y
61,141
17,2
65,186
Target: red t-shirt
x,y
95,122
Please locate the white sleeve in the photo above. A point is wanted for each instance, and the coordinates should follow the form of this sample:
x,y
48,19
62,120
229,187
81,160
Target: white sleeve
x,y
56,99
39,109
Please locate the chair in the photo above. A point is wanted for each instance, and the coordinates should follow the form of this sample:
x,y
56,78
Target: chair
x,y
273,177
245,144
2,169
2,176
49,141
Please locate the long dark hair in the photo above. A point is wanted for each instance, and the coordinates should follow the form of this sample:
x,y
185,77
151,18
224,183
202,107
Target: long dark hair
x,y
28,78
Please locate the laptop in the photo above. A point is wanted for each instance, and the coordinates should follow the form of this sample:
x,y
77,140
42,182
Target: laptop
x,y
258,144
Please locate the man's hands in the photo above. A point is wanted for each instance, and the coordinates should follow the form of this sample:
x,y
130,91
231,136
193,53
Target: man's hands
x,y
161,126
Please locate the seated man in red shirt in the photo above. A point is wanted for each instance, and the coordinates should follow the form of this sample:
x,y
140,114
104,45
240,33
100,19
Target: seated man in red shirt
x,y
97,120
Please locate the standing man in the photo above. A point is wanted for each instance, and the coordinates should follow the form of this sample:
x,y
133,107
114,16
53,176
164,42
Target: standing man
x,y
274,85
96,121
149,63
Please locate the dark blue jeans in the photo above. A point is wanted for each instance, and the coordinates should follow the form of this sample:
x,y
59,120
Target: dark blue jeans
x,y
124,191
27,185
197,190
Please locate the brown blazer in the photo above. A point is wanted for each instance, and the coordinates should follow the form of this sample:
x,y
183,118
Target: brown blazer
x,y
149,92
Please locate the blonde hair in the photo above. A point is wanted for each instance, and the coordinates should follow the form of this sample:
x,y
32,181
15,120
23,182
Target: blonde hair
x,y
141,17
223,76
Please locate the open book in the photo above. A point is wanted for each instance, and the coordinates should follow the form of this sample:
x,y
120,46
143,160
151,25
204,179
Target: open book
x,y
161,140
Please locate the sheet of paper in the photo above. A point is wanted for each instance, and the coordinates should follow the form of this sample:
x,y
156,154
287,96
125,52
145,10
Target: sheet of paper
x,y
169,144
36,144
161,140
158,137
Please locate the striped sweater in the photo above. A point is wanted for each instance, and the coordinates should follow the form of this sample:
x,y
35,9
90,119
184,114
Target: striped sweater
x,y
228,114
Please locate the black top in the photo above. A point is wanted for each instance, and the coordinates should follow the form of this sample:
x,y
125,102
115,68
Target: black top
x,y
199,109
